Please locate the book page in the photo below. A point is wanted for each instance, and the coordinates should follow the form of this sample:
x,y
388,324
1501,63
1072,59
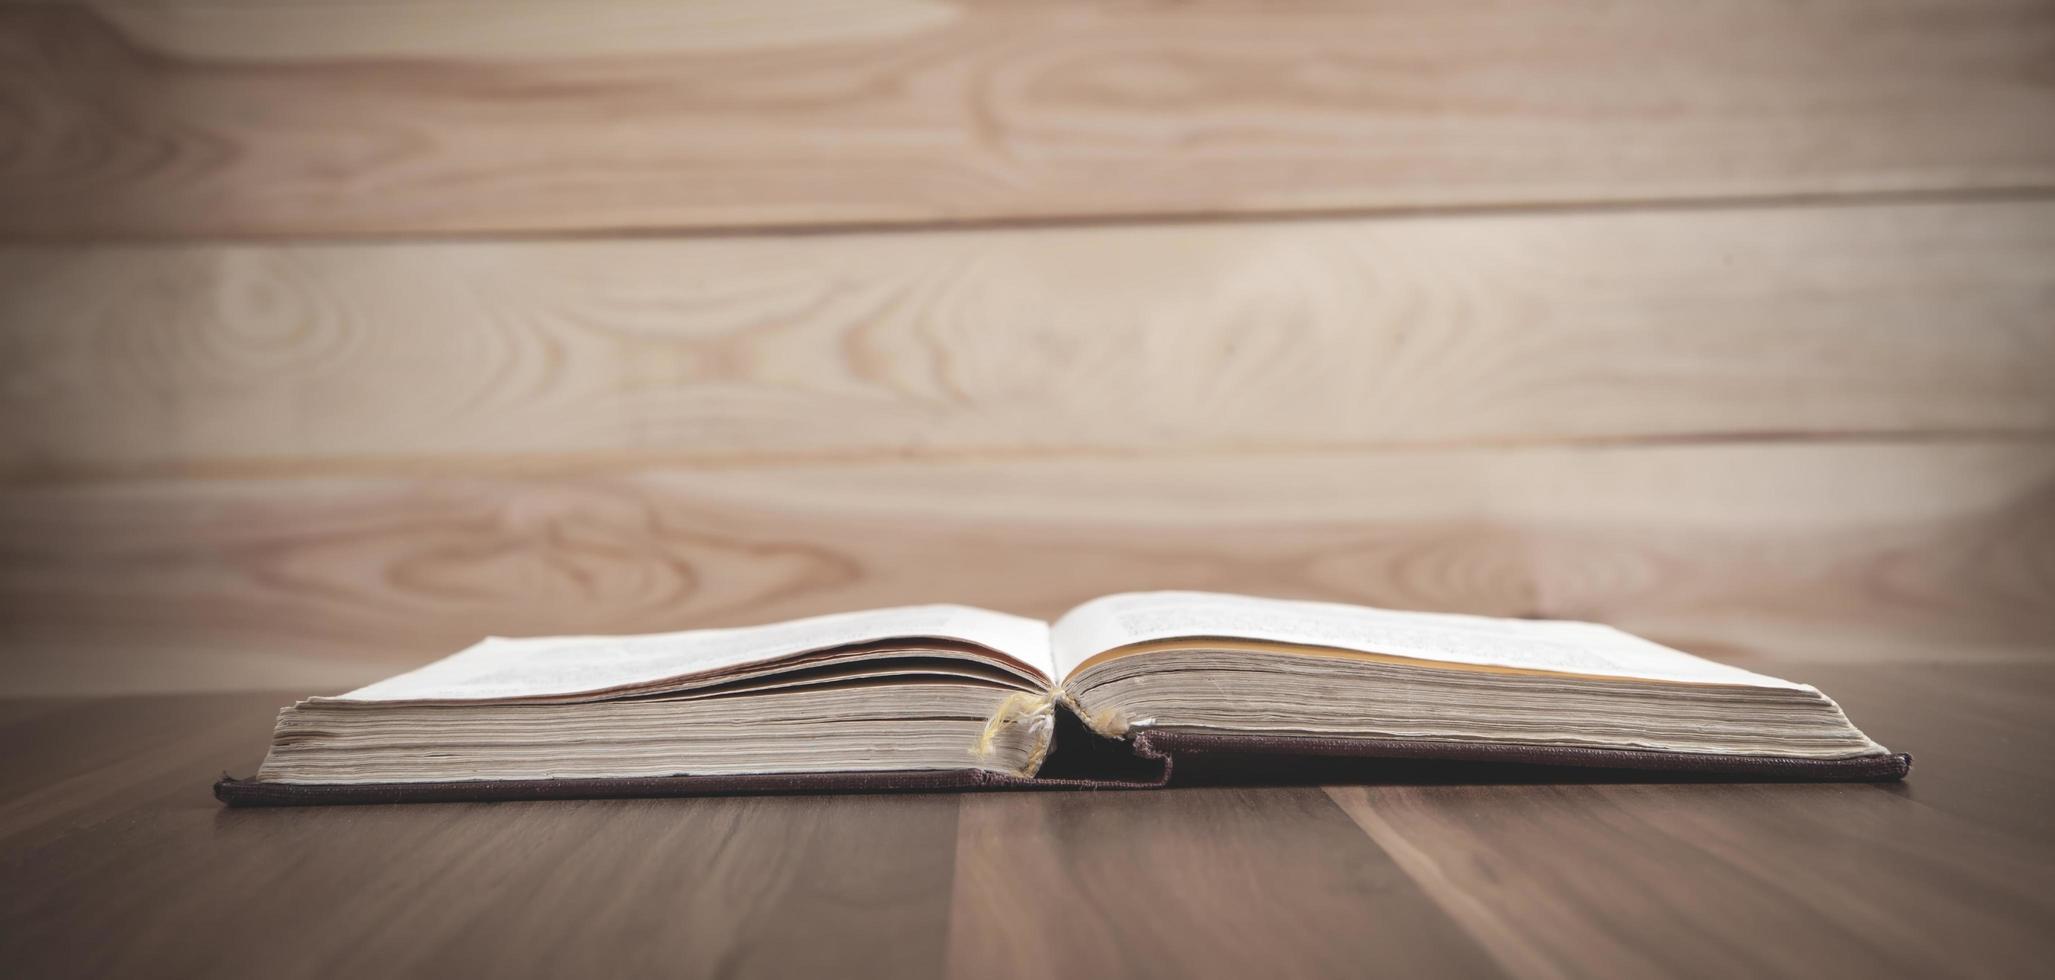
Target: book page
x,y
499,667
1558,646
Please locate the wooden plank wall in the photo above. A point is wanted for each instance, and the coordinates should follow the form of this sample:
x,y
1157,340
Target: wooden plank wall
x,y
333,335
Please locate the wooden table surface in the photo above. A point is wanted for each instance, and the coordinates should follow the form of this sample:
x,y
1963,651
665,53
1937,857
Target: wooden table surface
x,y
118,862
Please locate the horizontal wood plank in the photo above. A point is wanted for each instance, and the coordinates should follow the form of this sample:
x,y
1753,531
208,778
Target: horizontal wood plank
x,y
1479,330
122,118
1858,552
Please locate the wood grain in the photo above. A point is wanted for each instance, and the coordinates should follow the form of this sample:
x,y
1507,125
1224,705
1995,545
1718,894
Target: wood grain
x,y
114,749
122,873
308,119
1983,730
1580,880
1839,552
134,870
1175,884
1539,871
1777,323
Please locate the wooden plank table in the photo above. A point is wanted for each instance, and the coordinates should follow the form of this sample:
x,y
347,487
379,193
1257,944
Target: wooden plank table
x,y
117,861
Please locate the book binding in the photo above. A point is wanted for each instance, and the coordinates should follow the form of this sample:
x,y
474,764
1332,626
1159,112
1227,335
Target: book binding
x,y
1151,759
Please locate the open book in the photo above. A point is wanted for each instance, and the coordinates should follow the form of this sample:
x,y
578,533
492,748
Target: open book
x,y
952,696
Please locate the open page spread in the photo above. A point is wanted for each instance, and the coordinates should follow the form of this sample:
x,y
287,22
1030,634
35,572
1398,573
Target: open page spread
x,y
1554,646
499,667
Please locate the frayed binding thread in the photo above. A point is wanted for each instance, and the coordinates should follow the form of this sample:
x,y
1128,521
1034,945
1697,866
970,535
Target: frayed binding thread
x,y
1107,722
1037,712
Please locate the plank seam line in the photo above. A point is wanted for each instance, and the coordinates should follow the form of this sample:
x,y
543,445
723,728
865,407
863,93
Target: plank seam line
x,y
29,472
1802,200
